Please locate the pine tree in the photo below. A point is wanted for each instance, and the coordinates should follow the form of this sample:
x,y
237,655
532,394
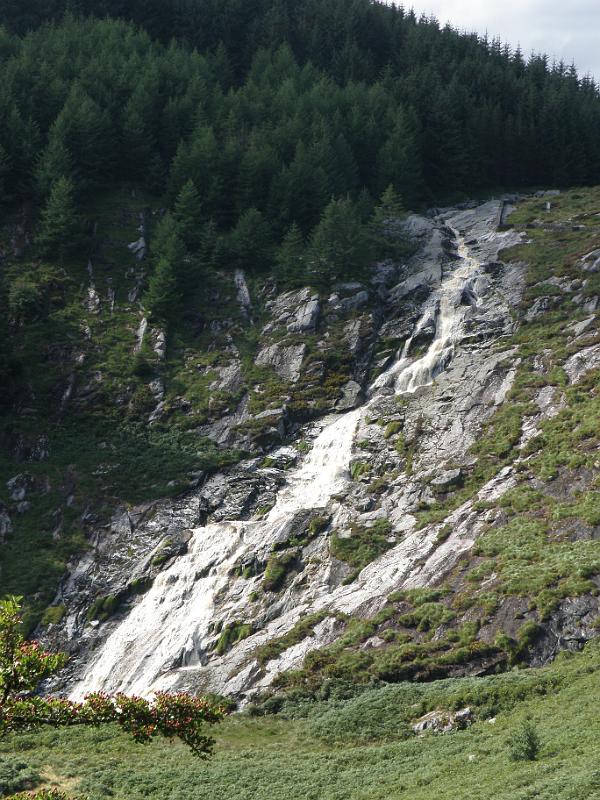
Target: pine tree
x,y
162,296
60,229
87,133
187,213
386,229
291,258
56,162
399,160
250,242
339,247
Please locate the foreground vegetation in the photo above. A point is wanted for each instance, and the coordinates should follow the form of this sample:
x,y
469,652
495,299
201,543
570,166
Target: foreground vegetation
x,y
362,747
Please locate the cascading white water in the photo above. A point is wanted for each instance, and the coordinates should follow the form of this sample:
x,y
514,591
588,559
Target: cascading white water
x,y
168,629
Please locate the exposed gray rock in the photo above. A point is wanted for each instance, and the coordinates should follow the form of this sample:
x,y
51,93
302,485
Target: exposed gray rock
x,y
286,361
159,344
297,310
19,486
448,479
581,362
306,317
230,378
140,334
443,721
5,523
92,301
581,327
420,281
346,305
243,293
352,392
229,514
138,248
539,307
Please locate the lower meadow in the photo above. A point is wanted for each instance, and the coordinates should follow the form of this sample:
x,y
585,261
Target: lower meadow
x,y
360,748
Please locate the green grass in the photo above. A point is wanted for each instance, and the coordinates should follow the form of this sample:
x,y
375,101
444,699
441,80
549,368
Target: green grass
x,y
356,749
363,546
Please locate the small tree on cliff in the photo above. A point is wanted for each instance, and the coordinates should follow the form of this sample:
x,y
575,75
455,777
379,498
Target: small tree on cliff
x,y
23,665
60,230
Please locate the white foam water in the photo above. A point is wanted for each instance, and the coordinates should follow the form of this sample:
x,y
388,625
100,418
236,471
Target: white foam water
x,y
168,630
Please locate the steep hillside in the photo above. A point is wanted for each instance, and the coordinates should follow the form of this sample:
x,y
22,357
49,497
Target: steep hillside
x,y
247,392
444,524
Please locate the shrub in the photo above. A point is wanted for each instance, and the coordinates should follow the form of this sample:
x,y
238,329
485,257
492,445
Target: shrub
x,y
392,429
15,775
525,743
363,546
232,634
278,568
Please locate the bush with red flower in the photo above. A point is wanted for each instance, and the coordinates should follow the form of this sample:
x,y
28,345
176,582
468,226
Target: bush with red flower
x,y
24,664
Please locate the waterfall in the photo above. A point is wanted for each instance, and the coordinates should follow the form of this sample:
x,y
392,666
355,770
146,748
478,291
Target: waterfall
x,y
168,629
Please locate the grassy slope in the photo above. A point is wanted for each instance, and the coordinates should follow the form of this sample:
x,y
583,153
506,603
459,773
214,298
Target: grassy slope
x,y
358,749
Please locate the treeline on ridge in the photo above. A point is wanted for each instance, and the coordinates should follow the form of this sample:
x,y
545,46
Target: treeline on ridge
x,y
281,129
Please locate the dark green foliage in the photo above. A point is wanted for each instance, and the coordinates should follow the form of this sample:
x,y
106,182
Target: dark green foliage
x,y
15,775
291,258
187,213
163,294
386,227
5,341
60,228
339,247
277,129
249,244
525,743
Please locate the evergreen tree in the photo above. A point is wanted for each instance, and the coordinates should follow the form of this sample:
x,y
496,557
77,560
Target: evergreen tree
x,y
291,258
386,228
399,160
339,246
250,243
60,228
87,133
187,213
56,162
162,297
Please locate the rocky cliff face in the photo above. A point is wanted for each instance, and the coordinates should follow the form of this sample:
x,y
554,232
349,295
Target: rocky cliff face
x,y
393,538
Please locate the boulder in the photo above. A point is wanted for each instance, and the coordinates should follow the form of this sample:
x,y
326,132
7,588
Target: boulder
x,y
306,316
351,396
286,361
443,721
448,479
347,305
580,327
298,310
19,486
